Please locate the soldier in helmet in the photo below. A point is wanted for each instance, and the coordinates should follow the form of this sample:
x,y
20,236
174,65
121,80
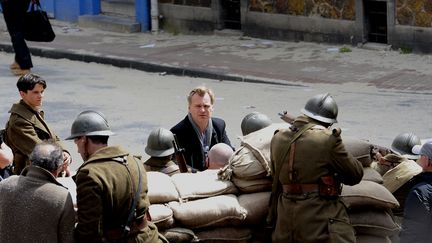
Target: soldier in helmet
x,y
112,188
199,131
309,163
161,149
398,168
253,122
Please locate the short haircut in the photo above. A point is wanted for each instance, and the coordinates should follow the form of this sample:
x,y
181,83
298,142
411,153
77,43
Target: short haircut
x,y
201,91
28,82
219,155
47,155
99,139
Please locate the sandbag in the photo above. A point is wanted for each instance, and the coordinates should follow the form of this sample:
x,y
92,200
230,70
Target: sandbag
x,y
252,186
370,174
372,239
161,189
201,185
368,194
399,175
252,159
256,205
373,222
360,149
161,216
179,235
224,234
223,210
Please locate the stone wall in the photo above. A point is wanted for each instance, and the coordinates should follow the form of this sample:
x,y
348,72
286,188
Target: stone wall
x,y
332,9
414,13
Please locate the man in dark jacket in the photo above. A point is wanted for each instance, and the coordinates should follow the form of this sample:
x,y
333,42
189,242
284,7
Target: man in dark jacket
x,y
199,131
417,222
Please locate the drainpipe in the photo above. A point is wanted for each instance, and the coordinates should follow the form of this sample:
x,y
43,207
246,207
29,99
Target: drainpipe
x,y
154,12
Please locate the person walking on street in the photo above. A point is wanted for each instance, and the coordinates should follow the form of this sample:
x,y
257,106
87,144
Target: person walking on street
x,y
13,13
309,163
35,207
199,131
26,126
417,223
112,198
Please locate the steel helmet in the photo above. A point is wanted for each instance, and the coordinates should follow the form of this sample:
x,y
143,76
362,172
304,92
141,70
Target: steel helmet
x,y
160,143
253,122
321,107
403,144
90,123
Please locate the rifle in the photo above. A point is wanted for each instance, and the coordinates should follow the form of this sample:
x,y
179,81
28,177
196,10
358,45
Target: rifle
x,y
179,156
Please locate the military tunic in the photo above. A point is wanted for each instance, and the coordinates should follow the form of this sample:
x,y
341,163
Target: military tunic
x,y
105,193
310,217
26,128
164,165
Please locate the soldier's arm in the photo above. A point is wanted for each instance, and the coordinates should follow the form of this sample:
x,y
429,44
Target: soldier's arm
x,y
349,170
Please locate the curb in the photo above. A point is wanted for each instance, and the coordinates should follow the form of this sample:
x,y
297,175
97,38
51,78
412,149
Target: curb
x,y
144,66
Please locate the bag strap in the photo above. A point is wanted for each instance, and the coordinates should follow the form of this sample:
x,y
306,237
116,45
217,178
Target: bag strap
x,y
132,211
275,185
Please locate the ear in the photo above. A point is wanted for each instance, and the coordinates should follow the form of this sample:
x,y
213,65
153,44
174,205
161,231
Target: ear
x,y
22,94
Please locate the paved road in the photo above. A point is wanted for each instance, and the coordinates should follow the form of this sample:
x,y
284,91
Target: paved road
x,y
136,102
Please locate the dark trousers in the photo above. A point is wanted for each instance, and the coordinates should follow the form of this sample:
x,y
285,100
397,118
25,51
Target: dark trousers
x,y
13,13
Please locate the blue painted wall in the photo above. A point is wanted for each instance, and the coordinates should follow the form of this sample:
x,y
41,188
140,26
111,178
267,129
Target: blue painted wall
x,y
142,11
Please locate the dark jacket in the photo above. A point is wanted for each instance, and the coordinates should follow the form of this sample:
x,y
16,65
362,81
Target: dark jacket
x,y
417,222
189,141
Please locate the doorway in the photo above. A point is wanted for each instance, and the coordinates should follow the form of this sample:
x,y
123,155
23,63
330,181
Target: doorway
x,y
231,14
375,21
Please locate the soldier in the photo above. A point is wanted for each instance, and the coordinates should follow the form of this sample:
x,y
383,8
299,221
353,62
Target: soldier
x,y
253,122
112,188
219,156
309,163
26,126
161,149
199,131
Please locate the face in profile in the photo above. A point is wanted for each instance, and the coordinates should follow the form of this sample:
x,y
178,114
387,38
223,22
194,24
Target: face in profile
x,y
201,108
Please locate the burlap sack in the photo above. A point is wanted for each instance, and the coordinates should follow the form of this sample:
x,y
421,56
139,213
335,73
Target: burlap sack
x,y
179,235
161,189
256,205
223,210
368,194
399,175
373,222
252,186
372,239
360,149
224,234
161,216
252,159
201,185
370,174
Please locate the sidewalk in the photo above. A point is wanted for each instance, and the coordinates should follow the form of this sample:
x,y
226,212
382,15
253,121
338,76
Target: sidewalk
x,y
236,58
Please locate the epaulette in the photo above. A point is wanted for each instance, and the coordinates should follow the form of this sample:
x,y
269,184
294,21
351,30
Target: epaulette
x,y
336,132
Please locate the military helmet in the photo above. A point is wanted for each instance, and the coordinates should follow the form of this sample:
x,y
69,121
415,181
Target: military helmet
x,y
253,122
90,123
321,107
160,143
403,144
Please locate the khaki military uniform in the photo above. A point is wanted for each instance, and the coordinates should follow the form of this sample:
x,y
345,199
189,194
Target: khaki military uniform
x,y
309,217
26,128
105,193
164,165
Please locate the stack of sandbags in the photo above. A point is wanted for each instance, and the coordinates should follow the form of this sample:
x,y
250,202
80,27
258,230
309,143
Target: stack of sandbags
x,y
369,208
249,167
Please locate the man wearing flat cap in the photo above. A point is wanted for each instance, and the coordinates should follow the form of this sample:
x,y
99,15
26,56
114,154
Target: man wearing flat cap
x,y
417,222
